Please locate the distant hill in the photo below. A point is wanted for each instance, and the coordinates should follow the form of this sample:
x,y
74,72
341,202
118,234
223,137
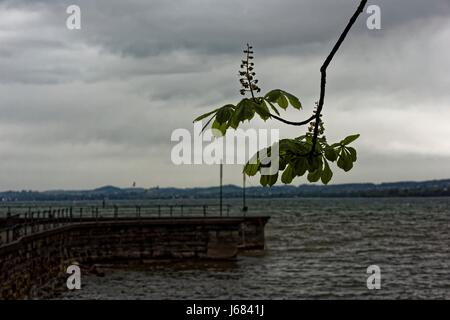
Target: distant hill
x,y
434,188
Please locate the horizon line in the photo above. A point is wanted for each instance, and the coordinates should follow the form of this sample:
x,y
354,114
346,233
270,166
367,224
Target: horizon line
x,y
228,185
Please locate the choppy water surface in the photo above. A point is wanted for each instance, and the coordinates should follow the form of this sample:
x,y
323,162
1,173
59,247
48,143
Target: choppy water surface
x,y
317,248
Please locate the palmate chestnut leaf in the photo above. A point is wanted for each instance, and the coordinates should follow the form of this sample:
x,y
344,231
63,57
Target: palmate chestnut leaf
x,y
298,162
283,99
246,109
225,113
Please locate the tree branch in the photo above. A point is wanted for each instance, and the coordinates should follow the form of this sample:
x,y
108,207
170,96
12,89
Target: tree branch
x,y
323,70
302,123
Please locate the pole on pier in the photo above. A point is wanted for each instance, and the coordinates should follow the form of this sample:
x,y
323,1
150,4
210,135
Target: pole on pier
x,y
244,203
221,184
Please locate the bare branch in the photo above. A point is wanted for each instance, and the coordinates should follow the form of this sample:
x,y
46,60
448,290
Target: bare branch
x,y
323,69
302,123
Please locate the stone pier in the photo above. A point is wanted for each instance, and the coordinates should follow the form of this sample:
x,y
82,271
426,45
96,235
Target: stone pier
x,y
35,259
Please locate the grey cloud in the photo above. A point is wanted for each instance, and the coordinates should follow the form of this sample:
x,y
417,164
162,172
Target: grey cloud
x,y
218,27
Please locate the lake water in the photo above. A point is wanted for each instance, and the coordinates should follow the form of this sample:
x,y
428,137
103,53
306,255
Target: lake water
x,y
316,249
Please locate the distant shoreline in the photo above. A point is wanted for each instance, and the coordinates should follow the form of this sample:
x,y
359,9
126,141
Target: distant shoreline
x,y
433,188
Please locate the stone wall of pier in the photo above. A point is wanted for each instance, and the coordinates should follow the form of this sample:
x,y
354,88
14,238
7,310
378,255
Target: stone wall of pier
x,y
34,260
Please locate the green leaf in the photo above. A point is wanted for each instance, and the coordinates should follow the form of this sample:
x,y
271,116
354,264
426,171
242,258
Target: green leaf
x,y
314,163
224,114
293,146
273,107
283,162
352,152
300,166
245,110
205,115
315,175
348,166
251,169
267,180
283,99
288,175
331,154
345,162
293,100
341,162
282,102
327,174
264,180
349,139
222,127
273,179
262,110
272,96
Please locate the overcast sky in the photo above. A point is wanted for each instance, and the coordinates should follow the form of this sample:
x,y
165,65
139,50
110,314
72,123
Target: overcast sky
x,y
96,106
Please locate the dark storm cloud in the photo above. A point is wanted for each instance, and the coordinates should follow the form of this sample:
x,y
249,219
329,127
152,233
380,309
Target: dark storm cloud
x,y
151,28
98,105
